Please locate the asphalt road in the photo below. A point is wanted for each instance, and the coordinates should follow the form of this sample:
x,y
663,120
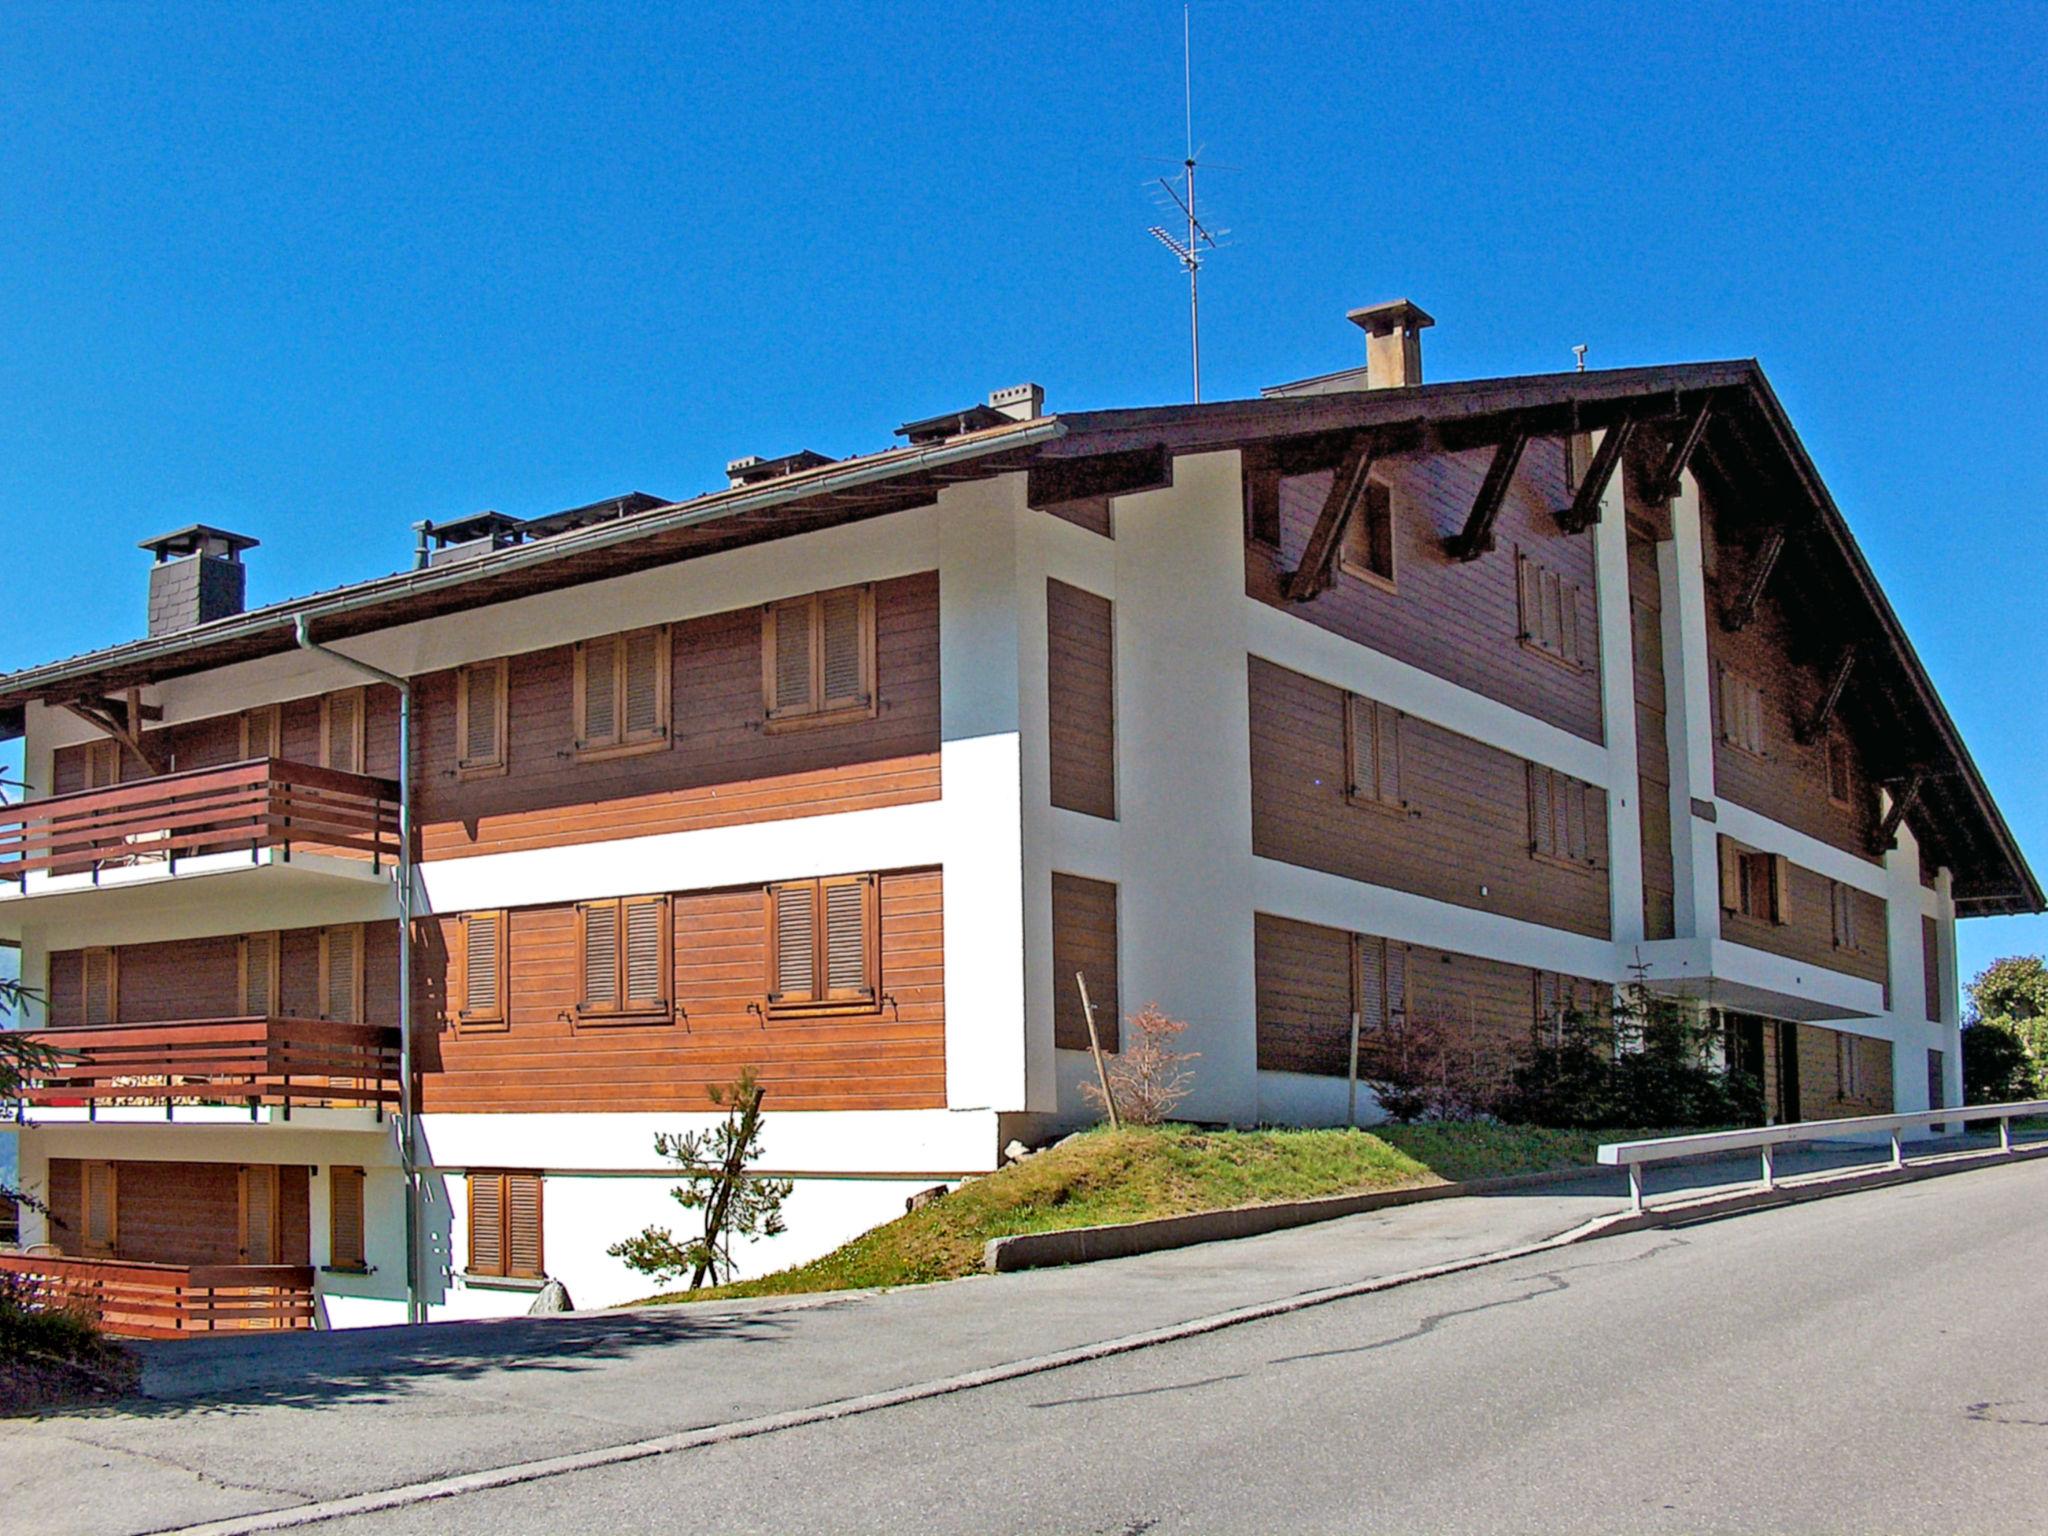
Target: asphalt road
x,y
1873,1363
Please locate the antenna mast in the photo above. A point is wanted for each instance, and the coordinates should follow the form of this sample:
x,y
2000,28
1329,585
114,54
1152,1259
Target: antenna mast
x,y
1191,254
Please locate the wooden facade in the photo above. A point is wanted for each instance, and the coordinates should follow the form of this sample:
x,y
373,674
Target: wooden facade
x,y
185,1213
1463,818
1653,749
1805,916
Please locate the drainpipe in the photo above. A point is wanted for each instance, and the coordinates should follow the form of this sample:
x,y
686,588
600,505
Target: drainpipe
x,y
415,1309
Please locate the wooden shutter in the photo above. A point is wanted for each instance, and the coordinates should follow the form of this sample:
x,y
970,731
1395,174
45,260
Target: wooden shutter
x,y
793,955
1361,749
1369,980
1529,596
341,731
1568,614
1575,842
1731,877
97,1192
345,1218
787,648
262,734
341,973
1542,823
643,705
259,975
600,920
645,963
102,986
481,712
259,1214
487,1223
1387,751
846,938
483,968
523,1226
843,647
1781,889
597,692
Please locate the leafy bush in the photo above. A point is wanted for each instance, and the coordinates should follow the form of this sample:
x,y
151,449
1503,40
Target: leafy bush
x,y
1996,1066
2011,995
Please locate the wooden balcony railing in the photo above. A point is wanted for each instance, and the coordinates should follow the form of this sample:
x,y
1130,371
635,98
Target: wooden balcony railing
x,y
165,1301
245,807
307,1062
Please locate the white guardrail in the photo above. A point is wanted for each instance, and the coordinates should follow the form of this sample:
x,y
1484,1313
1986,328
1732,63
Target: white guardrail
x,y
1636,1155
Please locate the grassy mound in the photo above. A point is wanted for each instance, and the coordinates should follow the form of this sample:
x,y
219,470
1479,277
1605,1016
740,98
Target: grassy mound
x,y
1105,1176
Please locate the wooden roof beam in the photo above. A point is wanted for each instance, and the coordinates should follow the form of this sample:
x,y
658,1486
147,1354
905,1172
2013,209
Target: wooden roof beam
x,y
1738,614
1347,494
1584,511
1477,537
1905,793
99,714
1809,729
1664,485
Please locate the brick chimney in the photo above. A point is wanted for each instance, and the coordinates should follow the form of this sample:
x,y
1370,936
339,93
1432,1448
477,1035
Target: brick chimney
x,y
198,577
1393,343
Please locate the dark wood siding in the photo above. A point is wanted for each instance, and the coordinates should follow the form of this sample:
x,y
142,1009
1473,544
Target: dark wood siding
x,y
1084,940
888,1057
1465,825
200,978
1653,750
1081,699
1457,619
1809,935
1824,1094
181,1213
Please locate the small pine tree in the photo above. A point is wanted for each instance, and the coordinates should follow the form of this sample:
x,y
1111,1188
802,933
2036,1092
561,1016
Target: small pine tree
x,y
716,1182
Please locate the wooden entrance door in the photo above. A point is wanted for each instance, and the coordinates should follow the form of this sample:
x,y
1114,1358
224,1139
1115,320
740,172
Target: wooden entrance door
x,y
259,1214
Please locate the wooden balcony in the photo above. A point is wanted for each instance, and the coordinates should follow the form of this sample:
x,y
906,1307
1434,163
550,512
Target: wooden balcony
x,y
166,1301
249,807
306,1062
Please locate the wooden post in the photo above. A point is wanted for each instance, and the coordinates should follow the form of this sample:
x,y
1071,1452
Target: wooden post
x,y
1351,1089
1095,1048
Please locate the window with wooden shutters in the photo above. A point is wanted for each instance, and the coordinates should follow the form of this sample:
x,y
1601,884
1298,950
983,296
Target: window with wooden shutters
x,y
1757,885
625,954
1841,788
1742,712
345,1248
622,692
259,1200
100,1002
341,973
98,1189
258,976
1379,982
341,731
481,971
481,718
1549,608
1372,751
505,1237
1561,999
1560,817
1367,549
262,732
818,656
822,945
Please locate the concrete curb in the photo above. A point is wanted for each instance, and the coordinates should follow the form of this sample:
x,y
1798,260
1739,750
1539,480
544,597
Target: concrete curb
x,y
1085,1245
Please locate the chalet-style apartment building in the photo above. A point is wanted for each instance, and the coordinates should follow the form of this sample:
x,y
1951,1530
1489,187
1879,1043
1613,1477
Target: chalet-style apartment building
x,y
1448,701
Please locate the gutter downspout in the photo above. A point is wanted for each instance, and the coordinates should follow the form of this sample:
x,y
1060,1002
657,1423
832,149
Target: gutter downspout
x,y
415,1309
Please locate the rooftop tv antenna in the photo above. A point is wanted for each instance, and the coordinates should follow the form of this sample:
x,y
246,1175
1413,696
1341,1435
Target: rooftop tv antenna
x,y
1192,252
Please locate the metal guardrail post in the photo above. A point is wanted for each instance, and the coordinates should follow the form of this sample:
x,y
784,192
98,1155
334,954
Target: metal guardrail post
x,y
1898,1149
1770,1173
1635,1188
2005,1133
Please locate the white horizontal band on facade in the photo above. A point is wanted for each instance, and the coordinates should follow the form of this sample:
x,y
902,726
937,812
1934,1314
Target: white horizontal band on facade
x,y
1762,833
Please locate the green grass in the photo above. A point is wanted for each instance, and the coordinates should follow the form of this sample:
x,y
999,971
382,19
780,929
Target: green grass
x,y
1105,1176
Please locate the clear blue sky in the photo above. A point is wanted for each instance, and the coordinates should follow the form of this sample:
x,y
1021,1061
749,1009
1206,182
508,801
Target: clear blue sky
x,y
314,273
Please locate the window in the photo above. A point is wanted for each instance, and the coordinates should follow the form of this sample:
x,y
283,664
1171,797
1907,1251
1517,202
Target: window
x,y
1549,607
624,952
480,971
257,980
1841,791
505,1225
1559,998
1842,907
257,1238
341,973
1368,546
1742,712
1372,753
341,731
1845,1065
1560,809
480,719
621,693
100,986
1379,982
97,1191
818,656
1757,885
262,732
345,1219
822,944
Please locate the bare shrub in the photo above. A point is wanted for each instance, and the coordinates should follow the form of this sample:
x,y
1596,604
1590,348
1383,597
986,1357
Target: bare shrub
x,y
1424,1068
1148,1077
